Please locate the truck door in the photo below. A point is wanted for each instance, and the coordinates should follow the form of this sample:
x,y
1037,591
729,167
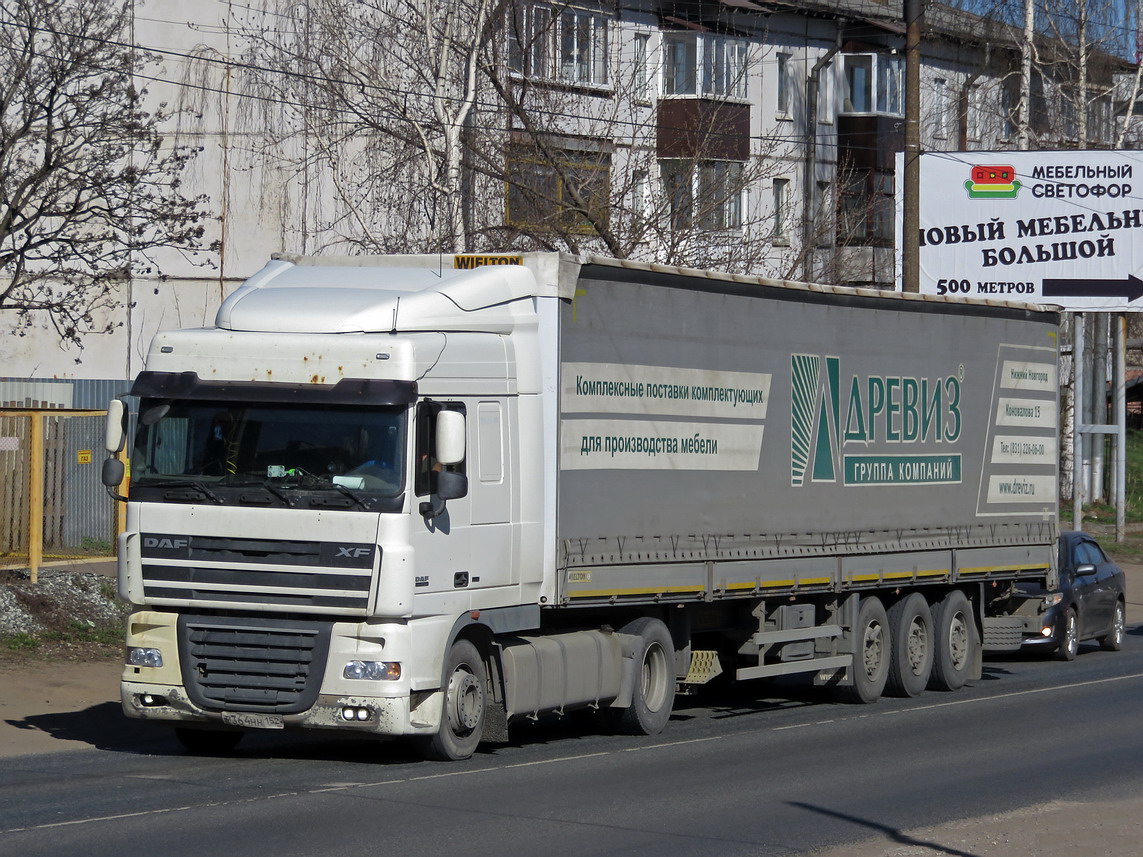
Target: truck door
x,y
470,546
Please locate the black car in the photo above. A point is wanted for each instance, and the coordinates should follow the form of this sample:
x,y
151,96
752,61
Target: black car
x,y
1089,604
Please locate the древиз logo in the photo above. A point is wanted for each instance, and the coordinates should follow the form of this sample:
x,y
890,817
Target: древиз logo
x,y
993,183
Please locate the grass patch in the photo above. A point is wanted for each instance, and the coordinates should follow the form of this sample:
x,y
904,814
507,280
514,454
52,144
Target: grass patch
x,y
21,642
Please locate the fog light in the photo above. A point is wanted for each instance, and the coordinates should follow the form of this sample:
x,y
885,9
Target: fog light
x,y
372,670
138,656
356,714
150,700
1047,632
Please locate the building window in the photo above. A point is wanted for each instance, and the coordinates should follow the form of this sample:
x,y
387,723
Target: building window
x,y
973,112
823,215
783,83
569,45
873,84
866,210
706,65
720,192
942,108
568,191
642,77
1009,108
781,215
707,194
827,109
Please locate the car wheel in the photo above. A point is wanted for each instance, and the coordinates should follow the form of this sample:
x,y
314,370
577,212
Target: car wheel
x,y
1069,644
911,627
1113,642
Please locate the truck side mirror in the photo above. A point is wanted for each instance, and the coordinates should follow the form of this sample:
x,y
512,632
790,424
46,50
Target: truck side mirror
x,y
113,471
450,437
115,431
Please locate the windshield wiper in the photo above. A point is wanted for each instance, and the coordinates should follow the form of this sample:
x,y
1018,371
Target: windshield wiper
x,y
189,484
313,481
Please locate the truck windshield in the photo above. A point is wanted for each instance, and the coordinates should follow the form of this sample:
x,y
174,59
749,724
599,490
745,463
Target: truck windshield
x,y
309,446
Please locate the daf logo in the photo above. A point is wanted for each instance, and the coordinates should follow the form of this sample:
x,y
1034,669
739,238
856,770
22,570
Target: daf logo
x,y
165,544
353,553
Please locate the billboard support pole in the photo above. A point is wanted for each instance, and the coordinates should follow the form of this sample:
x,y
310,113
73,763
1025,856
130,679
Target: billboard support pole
x,y
1077,423
1121,426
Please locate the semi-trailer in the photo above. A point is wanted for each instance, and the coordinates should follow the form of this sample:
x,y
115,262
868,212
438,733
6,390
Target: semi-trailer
x,y
427,496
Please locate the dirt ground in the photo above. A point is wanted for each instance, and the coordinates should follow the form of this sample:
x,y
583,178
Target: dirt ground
x,y
50,704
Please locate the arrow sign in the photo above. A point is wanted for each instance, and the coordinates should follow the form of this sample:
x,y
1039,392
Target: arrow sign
x,y
1130,288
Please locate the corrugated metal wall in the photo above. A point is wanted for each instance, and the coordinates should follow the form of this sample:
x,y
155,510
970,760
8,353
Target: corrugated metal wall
x,y
78,394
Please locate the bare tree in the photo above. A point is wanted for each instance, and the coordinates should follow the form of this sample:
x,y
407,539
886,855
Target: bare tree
x,y
87,188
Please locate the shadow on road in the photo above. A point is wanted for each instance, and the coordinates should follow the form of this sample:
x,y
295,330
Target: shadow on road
x,y
891,832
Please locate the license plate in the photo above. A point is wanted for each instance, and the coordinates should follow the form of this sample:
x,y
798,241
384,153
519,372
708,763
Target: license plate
x,y
249,720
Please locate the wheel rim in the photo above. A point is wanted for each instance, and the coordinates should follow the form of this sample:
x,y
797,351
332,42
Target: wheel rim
x,y
873,650
654,678
1071,637
917,646
1120,625
958,641
466,702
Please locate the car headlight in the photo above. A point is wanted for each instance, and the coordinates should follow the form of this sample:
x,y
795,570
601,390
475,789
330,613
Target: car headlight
x,y
1052,599
372,670
139,656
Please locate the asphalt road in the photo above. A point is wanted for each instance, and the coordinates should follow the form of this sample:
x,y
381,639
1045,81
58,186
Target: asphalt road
x,y
743,772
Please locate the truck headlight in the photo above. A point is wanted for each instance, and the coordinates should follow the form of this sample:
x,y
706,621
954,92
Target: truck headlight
x,y
139,656
372,670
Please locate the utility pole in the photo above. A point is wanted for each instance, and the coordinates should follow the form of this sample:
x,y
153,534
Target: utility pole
x,y
911,221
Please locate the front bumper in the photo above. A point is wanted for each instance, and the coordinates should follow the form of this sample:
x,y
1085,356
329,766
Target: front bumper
x,y
417,714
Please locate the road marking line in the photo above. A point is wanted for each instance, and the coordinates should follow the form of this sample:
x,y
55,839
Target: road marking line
x,y
349,786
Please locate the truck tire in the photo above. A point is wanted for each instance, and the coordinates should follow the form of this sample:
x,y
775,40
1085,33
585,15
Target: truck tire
x,y
956,642
911,627
465,706
207,742
654,694
872,641
1069,641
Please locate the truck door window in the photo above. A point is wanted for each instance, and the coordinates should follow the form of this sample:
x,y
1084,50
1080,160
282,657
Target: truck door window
x,y
428,467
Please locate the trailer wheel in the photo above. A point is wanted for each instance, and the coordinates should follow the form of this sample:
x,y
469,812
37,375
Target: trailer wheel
x,y
956,642
654,693
871,656
207,742
911,627
465,706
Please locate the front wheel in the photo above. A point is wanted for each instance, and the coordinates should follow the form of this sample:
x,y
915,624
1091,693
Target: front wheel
x,y
654,694
1113,642
1069,645
465,706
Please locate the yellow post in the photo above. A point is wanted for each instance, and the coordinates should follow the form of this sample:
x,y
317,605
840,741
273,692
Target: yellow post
x,y
36,497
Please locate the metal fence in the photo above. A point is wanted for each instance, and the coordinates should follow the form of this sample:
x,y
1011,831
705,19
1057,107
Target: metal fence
x,y
52,501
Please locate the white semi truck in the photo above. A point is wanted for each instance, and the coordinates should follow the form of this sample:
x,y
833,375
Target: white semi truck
x,y
429,495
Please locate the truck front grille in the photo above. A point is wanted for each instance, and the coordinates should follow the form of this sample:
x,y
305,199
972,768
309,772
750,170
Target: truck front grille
x,y
249,664
281,575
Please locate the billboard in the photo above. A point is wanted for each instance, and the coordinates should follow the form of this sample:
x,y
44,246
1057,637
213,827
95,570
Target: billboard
x,y
1062,228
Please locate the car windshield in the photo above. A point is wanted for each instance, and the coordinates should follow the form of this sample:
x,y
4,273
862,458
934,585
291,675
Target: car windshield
x,y
305,445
